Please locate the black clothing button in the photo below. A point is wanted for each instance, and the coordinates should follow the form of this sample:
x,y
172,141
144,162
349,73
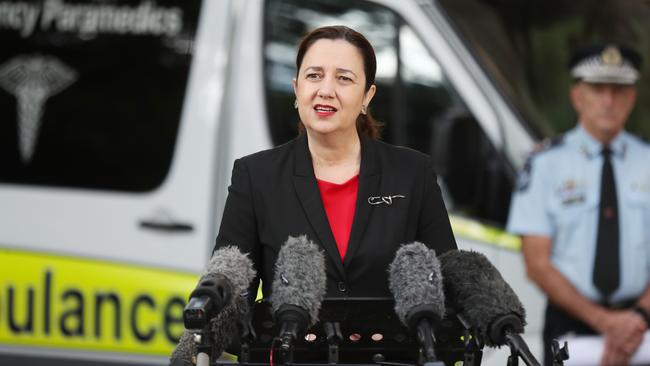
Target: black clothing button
x,y
342,286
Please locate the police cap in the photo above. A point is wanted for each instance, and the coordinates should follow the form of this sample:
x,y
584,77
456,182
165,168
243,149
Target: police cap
x,y
608,63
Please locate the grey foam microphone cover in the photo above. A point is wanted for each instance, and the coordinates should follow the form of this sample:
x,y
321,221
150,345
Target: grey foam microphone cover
x,y
238,269
234,265
184,351
414,280
299,277
475,287
224,327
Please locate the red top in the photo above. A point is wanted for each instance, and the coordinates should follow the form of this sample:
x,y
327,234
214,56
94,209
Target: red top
x,y
339,201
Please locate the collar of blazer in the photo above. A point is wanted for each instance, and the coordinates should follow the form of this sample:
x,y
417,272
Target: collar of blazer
x,y
309,195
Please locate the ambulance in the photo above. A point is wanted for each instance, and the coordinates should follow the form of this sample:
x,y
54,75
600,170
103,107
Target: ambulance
x,y
119,124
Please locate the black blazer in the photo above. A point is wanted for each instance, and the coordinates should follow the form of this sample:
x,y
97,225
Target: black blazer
x,y
274,194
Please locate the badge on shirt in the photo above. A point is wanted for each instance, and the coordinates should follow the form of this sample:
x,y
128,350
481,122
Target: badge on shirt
x,y
571,192
642,186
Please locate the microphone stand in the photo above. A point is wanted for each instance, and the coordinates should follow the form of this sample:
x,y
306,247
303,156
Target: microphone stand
x,y
247,337
293,320
334,337
421,318
204,341
473,347
473,342
519,348
427,340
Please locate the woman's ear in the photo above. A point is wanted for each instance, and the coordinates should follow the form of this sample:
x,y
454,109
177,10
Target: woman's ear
x,y
369,95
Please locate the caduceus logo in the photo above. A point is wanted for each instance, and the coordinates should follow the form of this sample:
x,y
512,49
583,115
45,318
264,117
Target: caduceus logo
x,y
32,80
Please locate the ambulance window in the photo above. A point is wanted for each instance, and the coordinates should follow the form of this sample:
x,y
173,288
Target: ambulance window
x,y
91,94
415,99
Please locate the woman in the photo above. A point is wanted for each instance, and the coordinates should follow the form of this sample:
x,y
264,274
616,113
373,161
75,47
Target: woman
x,y
355,196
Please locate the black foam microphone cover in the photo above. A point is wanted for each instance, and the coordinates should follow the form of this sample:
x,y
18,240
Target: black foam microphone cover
x,y
478,292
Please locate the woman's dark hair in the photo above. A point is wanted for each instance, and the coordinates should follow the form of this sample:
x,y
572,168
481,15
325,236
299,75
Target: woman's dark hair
x,y
365,122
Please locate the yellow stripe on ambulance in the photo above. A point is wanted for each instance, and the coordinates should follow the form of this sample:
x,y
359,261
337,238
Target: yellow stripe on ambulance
x,y
72,303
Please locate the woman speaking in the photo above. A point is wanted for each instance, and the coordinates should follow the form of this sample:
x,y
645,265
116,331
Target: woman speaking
x,y
358,198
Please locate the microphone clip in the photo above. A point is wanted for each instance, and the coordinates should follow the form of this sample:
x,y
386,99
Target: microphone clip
x,y
496,331
559,354
293,321
420,312
424,321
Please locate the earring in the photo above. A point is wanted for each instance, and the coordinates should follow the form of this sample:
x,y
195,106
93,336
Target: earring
x,y
295,104
364,109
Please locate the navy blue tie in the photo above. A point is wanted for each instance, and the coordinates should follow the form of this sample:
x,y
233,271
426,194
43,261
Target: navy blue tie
x,y
606,274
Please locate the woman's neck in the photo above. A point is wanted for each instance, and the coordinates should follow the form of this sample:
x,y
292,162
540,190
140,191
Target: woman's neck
x,y
335,159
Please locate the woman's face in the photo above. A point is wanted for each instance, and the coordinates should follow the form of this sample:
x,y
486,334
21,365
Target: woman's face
x,y
330,87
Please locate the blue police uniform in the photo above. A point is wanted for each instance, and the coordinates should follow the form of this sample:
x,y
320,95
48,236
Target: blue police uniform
x,y
558,196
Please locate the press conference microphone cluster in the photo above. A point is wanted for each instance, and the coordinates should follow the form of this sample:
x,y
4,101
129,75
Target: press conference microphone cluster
x,y
216,308
298,288
484,301
416,283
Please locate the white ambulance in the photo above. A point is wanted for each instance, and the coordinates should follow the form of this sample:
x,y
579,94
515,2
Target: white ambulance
x,y
119,123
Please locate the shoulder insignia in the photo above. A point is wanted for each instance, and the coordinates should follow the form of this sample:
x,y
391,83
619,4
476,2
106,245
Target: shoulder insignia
x,y
523,180
547,144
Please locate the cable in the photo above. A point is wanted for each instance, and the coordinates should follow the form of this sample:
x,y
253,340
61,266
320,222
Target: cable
x,y
271,351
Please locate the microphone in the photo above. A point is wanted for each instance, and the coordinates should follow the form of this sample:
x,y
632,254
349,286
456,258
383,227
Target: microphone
x,y
299,285
222,328
484,301
207,300
219,303
416,283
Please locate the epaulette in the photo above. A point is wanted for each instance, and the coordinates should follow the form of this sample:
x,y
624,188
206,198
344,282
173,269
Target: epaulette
x,y
547,144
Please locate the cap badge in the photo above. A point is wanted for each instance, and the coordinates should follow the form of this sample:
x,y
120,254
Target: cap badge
x,y
611,56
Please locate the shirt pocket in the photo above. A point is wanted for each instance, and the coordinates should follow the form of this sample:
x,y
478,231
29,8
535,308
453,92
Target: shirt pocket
x,y
635,219
575,228
635,234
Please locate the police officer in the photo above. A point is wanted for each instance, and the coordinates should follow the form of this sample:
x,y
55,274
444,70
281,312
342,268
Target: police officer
x,y
582,208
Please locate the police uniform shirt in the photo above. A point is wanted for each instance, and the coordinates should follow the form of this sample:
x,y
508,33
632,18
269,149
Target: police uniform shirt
x,y
558,196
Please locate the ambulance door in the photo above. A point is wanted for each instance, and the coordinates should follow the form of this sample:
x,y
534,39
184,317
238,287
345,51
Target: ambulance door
x,y
108,115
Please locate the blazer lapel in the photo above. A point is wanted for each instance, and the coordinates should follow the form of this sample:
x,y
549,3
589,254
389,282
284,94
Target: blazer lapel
x,y
369,179
307,189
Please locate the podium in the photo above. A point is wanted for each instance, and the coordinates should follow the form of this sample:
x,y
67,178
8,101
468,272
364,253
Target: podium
x,y
354,331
